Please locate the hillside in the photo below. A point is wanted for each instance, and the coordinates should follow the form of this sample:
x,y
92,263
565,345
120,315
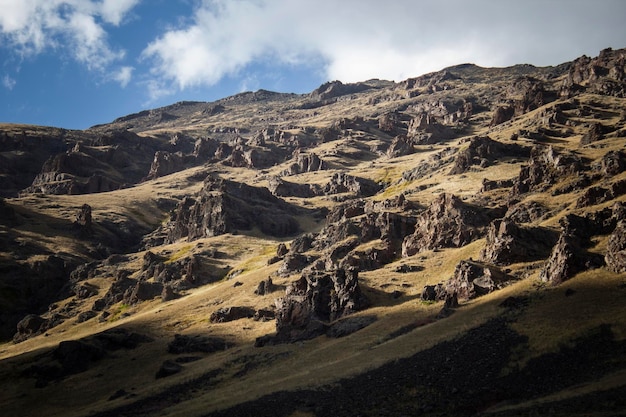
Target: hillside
x,y
452,244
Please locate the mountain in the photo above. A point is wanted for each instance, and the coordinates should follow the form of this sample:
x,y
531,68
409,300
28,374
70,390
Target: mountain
x,y
452,244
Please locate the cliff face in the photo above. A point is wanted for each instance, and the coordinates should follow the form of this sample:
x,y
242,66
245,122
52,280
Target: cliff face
x,y
374,218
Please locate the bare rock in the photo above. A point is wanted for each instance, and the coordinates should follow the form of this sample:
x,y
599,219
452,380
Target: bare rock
x,y
342,182
304,162
613,163
447,223
400,146
483,151
616,249
265,287
84,222
312,302
281,188
502,114
183,344
567,259
165,163
225,314
434,292
545,168
508,243
472,279
29,326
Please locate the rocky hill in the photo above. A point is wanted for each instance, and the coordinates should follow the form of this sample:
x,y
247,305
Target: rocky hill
x,y
452,244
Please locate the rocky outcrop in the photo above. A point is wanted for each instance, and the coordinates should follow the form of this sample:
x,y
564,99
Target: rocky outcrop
x,y
447,223
400,146
226,314
508,243
502,114
472,279
483,151
612,163
224,206
615,257
342,182
567,259
597,194
424,129
545,168
314,301
604,74
304,162
282,188
84,222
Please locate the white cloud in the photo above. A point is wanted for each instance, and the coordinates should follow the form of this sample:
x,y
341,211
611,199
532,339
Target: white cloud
x,y
74,26
123,76
396,39
8,82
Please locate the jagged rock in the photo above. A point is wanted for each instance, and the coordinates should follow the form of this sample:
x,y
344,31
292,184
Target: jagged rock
x,y
602,75
264,314
424,130
86,315
434,292
281,188
224,206
312,302
225,314
29,326
83,291
532,92
281,250
613,163
168,293
143,291
615,257
508,243
595,133
448,222
265,287
502,114
165,163
567,259
400,146
483,151
472,279
544,169
489,185
596,195
450,303
84,222
526,212
304,162
116,292
334,89
183,344
389,122
342,182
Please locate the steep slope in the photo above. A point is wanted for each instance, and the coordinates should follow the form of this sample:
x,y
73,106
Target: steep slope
x,y
447,245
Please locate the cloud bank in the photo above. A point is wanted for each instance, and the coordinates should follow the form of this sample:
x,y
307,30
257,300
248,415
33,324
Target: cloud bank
x,y
75,27
361,39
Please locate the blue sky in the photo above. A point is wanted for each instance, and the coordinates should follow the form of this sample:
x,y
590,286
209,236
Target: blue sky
x,y
77,63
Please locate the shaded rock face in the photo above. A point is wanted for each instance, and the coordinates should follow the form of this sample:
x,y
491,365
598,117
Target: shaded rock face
x,y
304,162
342,182
613,163
544,169
281,188
483,151
508,243
315,300
225,207
447,223
472,279
502,114
84,222
615,257
165,163
567,259
226,314
400,146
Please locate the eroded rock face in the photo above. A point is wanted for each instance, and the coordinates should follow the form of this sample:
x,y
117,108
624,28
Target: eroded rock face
x,y
508,243
483,151
304,162
603,75
545,167
315,300
616,249
567,259
472,279
165,163
342,182
226,206
447,223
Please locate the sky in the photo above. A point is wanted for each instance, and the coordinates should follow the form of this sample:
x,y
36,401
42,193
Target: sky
x,y
78,63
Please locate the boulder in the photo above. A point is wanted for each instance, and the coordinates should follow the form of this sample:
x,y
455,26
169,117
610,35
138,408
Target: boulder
x,y
29,326
400,146
472,279
226,314
502,114
265,287
434,292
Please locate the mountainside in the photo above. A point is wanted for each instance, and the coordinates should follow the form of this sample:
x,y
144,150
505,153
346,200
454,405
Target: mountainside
x,y
452,244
